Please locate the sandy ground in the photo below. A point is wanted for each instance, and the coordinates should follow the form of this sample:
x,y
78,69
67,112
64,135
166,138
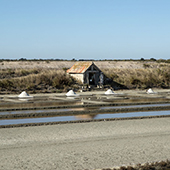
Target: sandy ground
x,y
85,145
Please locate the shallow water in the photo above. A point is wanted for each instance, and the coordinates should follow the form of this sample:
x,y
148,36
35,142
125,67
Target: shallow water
x,y
43,103
136,106
132,114
63,100
39,111
82,117
79,109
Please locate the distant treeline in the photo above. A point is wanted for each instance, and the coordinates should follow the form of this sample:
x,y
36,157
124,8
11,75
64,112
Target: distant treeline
x,y
47,60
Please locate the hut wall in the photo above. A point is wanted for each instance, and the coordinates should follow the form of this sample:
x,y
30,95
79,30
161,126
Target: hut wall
x,y
79,77
97,78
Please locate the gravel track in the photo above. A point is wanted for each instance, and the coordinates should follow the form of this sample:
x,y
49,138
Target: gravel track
x,y
90,145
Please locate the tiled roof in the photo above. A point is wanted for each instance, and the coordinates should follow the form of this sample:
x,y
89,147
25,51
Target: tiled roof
x,y
79,67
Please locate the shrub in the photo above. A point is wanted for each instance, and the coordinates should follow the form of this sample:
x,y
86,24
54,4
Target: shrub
x,y
62,80
43,81
7,84
146,65
24,72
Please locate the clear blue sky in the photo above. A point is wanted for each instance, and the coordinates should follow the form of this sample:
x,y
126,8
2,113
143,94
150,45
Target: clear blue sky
x,y
84,29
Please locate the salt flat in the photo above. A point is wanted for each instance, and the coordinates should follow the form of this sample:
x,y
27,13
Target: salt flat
x,y
85,145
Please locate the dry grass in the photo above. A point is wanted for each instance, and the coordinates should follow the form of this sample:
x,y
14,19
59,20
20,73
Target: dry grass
x,y
10,73
50,76
37,80
140,78
162,165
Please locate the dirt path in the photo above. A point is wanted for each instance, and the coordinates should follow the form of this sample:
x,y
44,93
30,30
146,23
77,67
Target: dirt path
x,y
85,145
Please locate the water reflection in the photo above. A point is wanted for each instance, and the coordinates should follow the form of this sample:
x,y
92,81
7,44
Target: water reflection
x,y
24,100
80,109
132,114
85,117
82,117
71,98
136,106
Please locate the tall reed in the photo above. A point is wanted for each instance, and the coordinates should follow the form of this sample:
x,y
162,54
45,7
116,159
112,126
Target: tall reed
x,y
140,78
44,80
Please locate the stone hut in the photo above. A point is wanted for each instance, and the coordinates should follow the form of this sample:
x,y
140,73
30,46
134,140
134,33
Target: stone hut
x,y
87,73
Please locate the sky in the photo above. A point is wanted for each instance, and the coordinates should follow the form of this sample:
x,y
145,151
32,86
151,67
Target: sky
x,y
85,29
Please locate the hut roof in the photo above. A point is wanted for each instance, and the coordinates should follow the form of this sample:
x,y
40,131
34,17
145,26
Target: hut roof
x,y
79,67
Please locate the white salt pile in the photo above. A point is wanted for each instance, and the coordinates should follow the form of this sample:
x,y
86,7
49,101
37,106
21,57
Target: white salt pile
x,y
108,92
24,94
71,93
150,91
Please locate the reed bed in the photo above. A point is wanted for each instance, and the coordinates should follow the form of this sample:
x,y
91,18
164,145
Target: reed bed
x,y
140,78
36,80
54,80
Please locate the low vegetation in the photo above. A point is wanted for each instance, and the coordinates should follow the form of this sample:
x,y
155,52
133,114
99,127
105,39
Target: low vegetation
x,y
162,165
44,80
141,78
37,80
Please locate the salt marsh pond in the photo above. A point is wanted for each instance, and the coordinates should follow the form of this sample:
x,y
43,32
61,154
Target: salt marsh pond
x,y
46,108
